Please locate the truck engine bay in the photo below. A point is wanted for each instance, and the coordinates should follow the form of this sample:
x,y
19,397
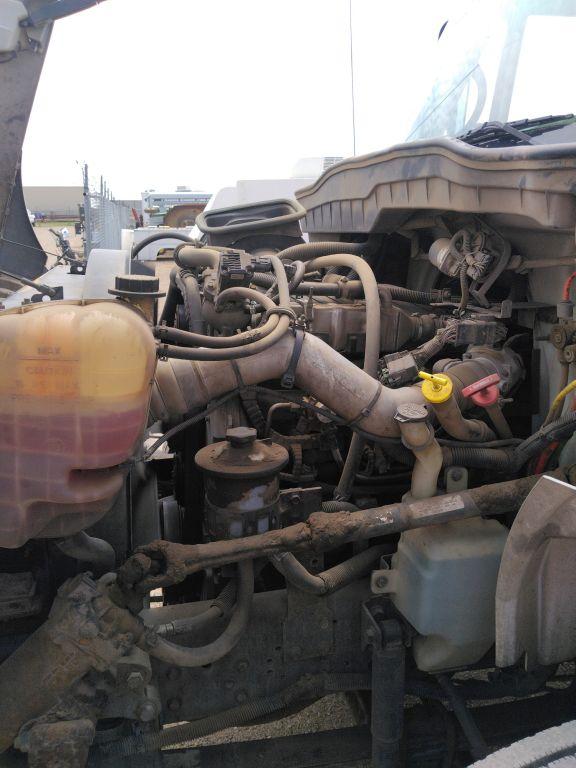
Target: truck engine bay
x,y
333,452
334,464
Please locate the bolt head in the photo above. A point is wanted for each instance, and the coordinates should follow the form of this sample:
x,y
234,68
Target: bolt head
x,y
134,681
174,704
147,711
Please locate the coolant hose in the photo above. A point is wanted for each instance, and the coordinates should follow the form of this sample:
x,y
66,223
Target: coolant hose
x,y
183,656
225,342
193,257
371,349
308,251
190,290
224,347
334,578
163,235
295,280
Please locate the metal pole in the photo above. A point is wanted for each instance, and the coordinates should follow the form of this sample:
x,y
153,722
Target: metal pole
x,y
87,214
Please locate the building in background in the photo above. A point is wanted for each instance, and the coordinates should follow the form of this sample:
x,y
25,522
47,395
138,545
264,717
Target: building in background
x,y
54,202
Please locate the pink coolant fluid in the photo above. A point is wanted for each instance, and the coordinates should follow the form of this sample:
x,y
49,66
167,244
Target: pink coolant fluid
x,y
75,383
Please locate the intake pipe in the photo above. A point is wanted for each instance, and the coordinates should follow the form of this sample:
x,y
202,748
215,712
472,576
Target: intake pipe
x,y
181,386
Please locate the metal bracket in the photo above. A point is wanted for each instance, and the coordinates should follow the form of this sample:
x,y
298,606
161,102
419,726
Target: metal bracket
x,y
308,626
385,638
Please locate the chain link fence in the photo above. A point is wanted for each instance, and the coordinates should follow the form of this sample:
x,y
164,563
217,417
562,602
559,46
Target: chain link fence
x,y
104,217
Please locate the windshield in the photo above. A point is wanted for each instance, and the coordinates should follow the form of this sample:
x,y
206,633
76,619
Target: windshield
x,y
501,62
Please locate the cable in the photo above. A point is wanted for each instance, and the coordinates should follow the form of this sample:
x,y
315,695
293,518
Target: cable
x,y
188,423
567,286
163,235
558,401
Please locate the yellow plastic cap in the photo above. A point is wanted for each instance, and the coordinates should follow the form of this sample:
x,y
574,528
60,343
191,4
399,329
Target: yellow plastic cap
x,y
437,387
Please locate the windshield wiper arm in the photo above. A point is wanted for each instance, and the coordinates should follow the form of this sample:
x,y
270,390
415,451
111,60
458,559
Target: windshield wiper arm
x,y
45,290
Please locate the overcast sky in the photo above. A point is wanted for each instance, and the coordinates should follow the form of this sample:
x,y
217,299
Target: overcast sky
x,y
159,93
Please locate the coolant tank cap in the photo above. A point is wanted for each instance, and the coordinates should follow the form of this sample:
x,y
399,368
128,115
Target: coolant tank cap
x,y
411,413
436,387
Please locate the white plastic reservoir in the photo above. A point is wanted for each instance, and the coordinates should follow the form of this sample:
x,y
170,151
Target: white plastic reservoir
x,y
444,584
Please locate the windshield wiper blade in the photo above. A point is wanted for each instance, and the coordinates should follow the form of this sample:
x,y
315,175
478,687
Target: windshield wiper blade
x,y
516,133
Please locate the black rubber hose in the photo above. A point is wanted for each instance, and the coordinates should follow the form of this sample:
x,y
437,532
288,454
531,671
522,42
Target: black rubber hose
x,y
190,290
511,459
308,251
498,459
173,296
310,687
343,289
164,235
183,656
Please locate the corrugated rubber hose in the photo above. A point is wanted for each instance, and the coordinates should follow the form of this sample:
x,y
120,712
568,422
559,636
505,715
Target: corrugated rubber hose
x,y
334,578
309,687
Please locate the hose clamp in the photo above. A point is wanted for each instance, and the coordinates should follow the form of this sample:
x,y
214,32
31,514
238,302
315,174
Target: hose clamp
x,y
287,311
289,376
367,410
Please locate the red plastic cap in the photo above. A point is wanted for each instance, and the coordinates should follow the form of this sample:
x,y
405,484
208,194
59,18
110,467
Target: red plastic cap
x,y
485,391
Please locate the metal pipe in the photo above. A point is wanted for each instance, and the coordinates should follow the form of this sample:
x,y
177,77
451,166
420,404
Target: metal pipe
x,y
450,417
323,531
321,371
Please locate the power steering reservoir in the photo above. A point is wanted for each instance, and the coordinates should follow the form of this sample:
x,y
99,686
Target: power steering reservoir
x,y
75,381
241,476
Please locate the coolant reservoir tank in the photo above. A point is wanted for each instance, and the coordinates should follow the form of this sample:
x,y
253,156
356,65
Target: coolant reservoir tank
x,y
444,581
75,383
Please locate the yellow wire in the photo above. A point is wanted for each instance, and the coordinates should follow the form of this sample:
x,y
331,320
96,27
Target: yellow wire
x,y
558,400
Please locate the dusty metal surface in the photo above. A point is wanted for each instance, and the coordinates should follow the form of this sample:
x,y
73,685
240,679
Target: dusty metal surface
x,y
536,591
19,75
